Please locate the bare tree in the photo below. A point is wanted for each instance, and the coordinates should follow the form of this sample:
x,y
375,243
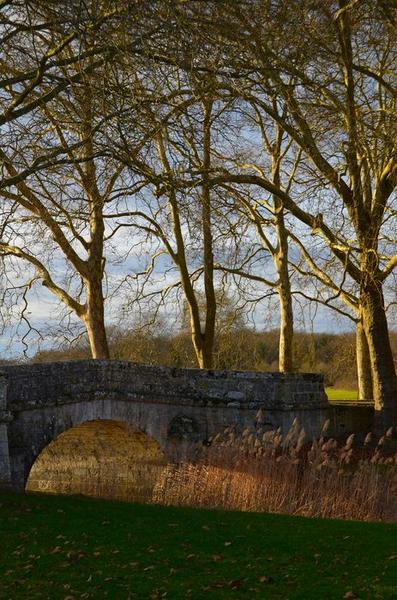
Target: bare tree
x,y
337,94
267,215
180,211
58,181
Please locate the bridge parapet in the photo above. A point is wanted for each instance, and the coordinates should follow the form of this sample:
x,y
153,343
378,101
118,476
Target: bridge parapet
x,y
40,385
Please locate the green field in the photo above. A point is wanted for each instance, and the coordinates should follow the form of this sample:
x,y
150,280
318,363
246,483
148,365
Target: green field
x,y
340,394
69,548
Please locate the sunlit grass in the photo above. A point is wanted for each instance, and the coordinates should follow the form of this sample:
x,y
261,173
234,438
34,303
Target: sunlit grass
x,y
341,394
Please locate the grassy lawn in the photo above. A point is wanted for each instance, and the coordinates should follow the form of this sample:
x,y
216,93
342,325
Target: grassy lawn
x,y
69,548
339,394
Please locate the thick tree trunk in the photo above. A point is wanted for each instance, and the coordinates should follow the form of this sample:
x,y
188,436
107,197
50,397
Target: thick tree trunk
x,y
202,342
364,375
95,321
285,358
205,355
280,257
207,338
381,357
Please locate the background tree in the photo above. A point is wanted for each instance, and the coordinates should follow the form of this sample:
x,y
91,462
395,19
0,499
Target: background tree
x,y
59,181
340,110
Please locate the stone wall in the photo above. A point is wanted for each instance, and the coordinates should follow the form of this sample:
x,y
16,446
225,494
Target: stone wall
x,y
37,385
5,417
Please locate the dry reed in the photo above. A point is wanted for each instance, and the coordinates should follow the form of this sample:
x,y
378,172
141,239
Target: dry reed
x,y
262,471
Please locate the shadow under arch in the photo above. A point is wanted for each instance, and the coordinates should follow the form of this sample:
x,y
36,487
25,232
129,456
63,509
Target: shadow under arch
x,y
104,458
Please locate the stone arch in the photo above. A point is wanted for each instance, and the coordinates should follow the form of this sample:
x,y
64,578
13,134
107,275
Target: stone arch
x,y
33,430
101,457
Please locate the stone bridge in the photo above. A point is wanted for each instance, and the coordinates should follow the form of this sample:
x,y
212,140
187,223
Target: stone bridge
x,y
175,407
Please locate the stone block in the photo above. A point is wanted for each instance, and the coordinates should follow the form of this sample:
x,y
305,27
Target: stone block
x,y
235,395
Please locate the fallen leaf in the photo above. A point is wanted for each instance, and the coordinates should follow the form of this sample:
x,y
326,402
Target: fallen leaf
x,y
266,579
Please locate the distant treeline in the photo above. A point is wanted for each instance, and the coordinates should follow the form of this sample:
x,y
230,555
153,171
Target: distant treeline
x,y
334,355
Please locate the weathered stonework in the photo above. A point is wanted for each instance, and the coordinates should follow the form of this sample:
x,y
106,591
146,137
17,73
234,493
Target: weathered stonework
x,y
5,418
173,406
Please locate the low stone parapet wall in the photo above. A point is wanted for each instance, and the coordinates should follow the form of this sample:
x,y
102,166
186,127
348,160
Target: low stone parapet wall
x,y
38,385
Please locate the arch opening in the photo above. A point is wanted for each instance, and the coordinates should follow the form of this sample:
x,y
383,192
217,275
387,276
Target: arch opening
x,y
103,458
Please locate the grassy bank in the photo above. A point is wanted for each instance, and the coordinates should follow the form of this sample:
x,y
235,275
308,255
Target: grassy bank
x,y
54,547
335,394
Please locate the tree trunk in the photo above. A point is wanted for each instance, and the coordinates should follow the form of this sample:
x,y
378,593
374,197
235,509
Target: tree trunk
x,y
94,320
280,257
380,353
204,355
203,344
364,376
285,356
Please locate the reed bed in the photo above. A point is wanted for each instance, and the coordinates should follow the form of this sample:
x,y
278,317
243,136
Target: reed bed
x,y
249,470
264,471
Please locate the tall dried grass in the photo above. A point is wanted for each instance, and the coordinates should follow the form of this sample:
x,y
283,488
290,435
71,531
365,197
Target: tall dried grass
x,y
262,471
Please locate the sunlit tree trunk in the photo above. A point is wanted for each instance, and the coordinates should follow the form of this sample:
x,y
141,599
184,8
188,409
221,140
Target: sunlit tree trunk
x,y
94,320
286,323
363,360
280,257
202,320
94,317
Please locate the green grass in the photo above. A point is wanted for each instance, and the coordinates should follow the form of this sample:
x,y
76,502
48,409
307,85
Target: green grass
x,y
69,548
340,394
